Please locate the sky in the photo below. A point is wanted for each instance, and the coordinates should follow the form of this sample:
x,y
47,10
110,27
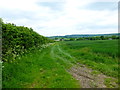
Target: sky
x,y
62,17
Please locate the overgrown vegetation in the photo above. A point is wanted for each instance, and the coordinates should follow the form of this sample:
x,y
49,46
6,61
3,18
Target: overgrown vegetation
x,y
17,40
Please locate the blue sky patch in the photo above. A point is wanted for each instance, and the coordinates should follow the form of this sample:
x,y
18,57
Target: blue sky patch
x,y
103,6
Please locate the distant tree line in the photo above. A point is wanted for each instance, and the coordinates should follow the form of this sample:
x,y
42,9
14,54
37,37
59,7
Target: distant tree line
x,y
90,38
17,40
99,38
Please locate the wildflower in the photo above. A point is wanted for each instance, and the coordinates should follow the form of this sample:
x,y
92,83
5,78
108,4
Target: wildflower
x,y
1,61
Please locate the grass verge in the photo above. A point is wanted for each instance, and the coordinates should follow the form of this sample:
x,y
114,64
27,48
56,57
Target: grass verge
x,y
37,70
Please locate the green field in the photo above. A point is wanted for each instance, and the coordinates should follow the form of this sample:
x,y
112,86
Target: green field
x,y
47,68
101,55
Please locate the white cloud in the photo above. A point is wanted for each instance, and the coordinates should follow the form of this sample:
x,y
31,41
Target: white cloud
x,y
73,18
109,19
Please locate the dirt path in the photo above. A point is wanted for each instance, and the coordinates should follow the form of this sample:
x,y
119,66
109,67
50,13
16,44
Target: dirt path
x,y
89,80
87,77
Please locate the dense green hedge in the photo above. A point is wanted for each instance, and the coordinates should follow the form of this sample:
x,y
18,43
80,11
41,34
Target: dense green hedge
x,y
17,40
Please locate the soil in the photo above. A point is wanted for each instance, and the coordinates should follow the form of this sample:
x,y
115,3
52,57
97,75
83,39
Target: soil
x,y
88,80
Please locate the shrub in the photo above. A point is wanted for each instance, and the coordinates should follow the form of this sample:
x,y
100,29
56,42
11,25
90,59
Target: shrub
x,y
18,39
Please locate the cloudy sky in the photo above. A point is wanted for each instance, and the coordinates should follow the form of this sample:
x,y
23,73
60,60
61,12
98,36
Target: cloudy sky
x,y
62,17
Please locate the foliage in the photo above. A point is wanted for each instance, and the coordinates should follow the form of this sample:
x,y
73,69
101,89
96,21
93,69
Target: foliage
x,y
102,37
17,40
72,39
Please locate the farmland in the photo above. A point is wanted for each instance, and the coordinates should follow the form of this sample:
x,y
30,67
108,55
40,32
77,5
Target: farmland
x,y
30,60
100,55
57,66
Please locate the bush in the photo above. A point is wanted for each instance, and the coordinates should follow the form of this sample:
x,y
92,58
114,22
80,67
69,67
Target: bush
x,y
16,40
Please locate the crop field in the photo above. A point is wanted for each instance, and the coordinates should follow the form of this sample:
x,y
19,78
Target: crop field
x,y
101,55
58,66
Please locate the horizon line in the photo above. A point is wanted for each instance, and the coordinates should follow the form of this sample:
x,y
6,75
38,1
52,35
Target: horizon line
x,y
83,34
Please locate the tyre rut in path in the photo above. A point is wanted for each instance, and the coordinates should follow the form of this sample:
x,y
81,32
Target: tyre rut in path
x,y
83,75
81,72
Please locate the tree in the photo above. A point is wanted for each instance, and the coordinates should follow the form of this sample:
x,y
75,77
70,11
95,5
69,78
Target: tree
x,y
72,39
114,37
98,38
79,39
102,37
1,20
56,38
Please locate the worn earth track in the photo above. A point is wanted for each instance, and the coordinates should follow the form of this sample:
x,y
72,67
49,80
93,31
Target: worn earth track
x,y
80,72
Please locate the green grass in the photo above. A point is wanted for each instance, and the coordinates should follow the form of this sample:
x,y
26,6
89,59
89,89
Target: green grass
x,y
47,68
95,73
99,55
108,82
39,69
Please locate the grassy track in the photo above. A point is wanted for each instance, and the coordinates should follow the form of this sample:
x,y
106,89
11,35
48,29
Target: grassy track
x,y
41,69
49,68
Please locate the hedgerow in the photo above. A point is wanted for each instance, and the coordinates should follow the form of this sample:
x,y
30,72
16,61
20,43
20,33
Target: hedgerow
x,y
17,40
